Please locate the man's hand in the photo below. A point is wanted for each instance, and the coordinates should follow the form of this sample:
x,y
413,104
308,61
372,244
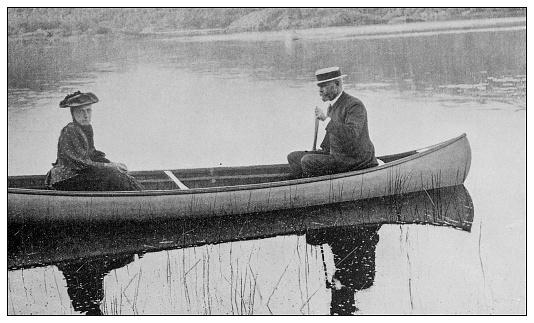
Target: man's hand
x,y
319,114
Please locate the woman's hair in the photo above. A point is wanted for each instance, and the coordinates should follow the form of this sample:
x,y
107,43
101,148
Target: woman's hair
x,y
72,113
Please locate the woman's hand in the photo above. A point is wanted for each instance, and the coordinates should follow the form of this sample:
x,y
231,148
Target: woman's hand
x,y
120,166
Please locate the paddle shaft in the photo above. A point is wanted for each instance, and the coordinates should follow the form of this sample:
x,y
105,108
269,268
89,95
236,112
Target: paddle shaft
x,y
327,282
315,134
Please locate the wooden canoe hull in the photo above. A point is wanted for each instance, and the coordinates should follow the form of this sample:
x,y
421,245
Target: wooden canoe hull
x,y
442,165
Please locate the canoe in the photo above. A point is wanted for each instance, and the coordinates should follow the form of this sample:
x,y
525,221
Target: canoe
x,y
224,191
54,244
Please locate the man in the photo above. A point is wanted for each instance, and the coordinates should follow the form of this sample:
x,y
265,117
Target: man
x,y
346,145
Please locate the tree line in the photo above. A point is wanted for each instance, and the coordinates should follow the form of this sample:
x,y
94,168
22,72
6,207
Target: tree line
x,y
78,21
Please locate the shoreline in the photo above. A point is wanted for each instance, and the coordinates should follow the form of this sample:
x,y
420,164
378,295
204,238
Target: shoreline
x,y
300,34
369,30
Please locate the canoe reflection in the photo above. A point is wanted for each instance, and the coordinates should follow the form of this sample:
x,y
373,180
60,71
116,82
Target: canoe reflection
x,y
86,253
354,259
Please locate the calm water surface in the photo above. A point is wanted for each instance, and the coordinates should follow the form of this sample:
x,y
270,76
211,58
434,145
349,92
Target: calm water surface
x,y
167,103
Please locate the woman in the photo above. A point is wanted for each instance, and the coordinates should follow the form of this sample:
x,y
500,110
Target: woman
x,y
79,166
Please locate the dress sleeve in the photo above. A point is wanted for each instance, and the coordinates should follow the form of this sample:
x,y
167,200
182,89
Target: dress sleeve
x,y
99,156
74,149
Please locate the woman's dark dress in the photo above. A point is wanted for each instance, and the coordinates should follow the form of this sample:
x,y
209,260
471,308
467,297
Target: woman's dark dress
x,y
80,167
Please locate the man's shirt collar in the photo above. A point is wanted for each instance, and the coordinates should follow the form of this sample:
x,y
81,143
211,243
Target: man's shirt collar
x,y
335,100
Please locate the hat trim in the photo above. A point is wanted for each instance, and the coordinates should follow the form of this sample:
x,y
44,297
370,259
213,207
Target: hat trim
x,y
76,106
328,80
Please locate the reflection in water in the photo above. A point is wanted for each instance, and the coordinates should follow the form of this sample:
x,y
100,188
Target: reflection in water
x,y
85,281
87,253
354,259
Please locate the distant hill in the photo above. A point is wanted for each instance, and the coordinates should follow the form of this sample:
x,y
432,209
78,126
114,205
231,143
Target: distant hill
x,y
64,22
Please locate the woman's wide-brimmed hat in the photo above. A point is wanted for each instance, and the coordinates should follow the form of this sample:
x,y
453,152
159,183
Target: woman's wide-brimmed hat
x,y
78,99
328,74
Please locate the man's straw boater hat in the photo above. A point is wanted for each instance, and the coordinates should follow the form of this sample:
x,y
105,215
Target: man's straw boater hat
x,y
78,99
328,74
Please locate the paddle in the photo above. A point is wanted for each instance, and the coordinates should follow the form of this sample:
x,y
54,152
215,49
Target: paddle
x,y
315,134
327,282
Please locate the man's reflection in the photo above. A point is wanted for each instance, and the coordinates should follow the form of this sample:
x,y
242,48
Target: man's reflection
x,y
85,281
354,259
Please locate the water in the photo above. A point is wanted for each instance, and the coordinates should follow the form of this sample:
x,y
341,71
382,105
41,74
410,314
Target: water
x,y
168,103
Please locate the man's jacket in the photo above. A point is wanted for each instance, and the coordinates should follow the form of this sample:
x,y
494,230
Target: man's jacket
x,y
347,133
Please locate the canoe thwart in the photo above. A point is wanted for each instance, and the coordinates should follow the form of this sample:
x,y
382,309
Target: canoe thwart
x,y
176,180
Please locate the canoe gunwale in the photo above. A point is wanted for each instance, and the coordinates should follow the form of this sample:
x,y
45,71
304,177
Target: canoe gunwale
x,y
257,186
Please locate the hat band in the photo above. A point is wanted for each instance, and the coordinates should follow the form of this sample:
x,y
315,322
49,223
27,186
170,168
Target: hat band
x,y
327,76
